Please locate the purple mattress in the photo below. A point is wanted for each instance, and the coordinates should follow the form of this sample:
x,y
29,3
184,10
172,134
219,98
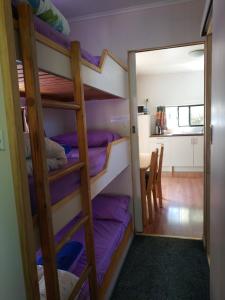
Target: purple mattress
x,y
69,183
107,236
45,29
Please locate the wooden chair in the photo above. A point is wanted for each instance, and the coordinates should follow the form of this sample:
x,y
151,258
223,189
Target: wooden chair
x,y
159,177
150,184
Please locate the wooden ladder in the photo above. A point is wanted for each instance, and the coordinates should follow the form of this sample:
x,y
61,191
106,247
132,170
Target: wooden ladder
x,y
41,177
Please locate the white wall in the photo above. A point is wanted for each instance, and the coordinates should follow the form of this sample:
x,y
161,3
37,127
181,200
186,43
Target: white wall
x,y
171,89
159,26
11,271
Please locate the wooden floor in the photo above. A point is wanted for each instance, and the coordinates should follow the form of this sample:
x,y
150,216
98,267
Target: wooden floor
x,y
182,214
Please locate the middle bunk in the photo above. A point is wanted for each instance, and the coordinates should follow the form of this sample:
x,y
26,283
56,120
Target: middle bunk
x,y
106,161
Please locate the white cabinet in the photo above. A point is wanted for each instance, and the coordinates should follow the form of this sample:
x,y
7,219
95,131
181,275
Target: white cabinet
x,y
144,133
198,143
180,151
156,142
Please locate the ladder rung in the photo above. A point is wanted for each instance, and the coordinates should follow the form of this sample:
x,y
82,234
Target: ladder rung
x,y
60,105
71,232
80,282
65,171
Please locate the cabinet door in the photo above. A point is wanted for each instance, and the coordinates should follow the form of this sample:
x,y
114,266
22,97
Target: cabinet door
x,y
181,151
198,143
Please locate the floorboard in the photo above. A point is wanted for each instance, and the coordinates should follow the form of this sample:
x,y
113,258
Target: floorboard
x,y
182,214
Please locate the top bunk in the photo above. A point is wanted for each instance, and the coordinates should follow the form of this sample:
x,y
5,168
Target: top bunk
x,y
104,77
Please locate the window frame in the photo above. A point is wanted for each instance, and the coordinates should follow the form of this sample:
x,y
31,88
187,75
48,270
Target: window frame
x,y
189,114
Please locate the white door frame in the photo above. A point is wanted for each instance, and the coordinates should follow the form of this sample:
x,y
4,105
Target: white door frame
x,y
134,132
135,143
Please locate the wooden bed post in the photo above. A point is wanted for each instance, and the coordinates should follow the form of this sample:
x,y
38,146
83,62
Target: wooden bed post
x,y
15,134
33,98
83,154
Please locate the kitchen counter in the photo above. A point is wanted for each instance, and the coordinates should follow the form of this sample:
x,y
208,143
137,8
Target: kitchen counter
x,y
177,134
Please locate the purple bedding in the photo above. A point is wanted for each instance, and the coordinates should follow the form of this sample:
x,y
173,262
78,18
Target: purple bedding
x,y
107,236
96,138
57,37
66,185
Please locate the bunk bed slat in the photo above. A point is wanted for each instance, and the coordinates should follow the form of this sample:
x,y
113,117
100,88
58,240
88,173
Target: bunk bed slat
x,y
83,151
71,232
53,176
35,120
87,271
59,105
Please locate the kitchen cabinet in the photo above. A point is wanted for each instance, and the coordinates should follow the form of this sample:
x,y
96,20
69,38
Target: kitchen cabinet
x,y
198,143
144,130
156,142
180,151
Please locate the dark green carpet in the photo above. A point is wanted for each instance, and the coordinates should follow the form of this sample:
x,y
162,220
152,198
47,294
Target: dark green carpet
x,y
158,268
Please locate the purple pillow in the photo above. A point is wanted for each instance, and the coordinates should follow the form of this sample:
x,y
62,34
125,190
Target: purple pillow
x,y
96,138
111,207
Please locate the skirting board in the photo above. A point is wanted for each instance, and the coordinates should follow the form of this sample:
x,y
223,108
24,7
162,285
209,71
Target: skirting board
x,y
183,169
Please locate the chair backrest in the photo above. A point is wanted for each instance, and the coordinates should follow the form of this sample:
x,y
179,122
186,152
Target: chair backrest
x,y
153,170
159,172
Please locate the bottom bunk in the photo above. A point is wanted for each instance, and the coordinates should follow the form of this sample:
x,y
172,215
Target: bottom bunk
x,y
113,232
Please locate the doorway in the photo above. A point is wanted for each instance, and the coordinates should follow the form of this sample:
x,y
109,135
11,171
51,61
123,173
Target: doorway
x,y
167,108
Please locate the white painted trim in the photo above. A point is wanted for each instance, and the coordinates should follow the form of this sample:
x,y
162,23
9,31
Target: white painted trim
x,y
113,79
127,10
170,236
135,144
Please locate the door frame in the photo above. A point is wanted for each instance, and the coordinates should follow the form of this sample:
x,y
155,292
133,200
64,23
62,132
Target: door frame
x,y
134,135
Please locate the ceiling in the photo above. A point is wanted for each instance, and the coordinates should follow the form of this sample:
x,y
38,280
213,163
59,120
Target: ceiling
x,y
172,60
79,8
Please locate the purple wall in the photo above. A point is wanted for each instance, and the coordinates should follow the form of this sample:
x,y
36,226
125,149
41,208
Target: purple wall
x,y
159,26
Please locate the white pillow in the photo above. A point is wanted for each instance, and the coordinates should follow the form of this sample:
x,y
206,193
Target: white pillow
x,y
67,281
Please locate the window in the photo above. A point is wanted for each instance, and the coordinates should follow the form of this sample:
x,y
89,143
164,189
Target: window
x,y
171,117
197,115
184,116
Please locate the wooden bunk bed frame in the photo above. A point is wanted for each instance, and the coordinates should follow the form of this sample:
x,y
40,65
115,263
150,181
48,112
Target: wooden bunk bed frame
x,y
30,77
41,177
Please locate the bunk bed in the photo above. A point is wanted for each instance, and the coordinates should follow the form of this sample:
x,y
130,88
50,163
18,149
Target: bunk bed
x,y
104,77
53,76
65,191
112,230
